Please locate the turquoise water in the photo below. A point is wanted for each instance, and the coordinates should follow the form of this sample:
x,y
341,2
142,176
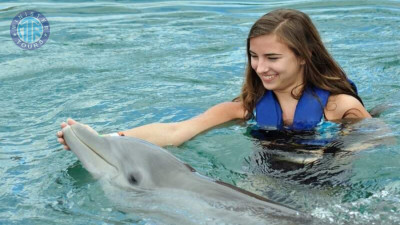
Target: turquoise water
x,y
121,64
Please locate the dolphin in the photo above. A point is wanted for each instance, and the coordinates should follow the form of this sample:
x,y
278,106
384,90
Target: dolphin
x,y
134,164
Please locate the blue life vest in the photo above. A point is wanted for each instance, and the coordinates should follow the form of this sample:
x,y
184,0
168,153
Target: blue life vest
x,y
309,110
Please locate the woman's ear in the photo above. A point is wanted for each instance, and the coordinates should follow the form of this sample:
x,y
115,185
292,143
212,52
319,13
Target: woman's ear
x,y
303,61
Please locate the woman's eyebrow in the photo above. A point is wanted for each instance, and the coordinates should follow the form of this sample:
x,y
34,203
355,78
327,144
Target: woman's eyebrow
x,y
267,54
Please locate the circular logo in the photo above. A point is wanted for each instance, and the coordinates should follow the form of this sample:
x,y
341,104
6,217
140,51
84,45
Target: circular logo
x,y
30,30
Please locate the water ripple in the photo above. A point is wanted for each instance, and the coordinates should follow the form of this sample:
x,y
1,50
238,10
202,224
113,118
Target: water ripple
x,y
117,65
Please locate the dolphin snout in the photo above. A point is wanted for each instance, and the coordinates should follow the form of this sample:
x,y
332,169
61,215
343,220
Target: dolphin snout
x,y
90,138
92,150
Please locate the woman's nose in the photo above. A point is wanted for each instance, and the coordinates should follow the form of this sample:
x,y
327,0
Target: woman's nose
x,y
262,66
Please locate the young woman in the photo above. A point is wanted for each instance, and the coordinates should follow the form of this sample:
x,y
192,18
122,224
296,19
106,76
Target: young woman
x,y
291,82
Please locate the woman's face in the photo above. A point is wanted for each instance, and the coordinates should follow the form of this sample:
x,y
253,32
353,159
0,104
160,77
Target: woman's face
x,y
275,64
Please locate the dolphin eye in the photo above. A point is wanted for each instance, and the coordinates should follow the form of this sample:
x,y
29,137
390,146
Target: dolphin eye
x,y
132,180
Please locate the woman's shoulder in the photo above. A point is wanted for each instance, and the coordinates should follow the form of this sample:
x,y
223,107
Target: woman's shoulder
x,y
344,106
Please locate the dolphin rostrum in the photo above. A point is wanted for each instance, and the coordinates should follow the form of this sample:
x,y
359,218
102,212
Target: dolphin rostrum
x,y
134,164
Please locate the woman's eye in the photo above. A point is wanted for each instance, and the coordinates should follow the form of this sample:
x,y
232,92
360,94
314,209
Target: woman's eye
x,y
273,59
253,56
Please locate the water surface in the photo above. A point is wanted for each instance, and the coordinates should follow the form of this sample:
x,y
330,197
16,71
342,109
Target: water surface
x,y
122,64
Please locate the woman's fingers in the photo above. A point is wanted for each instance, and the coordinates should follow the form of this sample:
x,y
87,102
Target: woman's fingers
x,y
70,121
60,134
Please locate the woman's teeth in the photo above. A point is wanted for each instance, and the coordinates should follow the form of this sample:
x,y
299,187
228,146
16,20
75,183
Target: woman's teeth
x,y
268,77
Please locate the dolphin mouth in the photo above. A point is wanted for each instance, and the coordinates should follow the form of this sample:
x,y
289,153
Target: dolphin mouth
x,y
97,157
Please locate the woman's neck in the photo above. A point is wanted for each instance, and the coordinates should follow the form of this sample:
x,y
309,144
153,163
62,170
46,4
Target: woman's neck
x,y
288,103
288,93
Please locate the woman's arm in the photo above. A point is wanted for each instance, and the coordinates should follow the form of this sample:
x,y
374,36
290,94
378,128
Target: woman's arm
x,y
164,134
346,106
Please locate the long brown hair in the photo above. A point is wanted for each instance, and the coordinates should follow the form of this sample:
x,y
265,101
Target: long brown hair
x,y
296,30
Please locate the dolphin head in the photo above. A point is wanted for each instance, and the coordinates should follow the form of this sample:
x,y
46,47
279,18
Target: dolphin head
x,y
126,161
91,150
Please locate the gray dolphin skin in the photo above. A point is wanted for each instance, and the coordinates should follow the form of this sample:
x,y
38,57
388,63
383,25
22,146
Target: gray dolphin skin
x,y
132,163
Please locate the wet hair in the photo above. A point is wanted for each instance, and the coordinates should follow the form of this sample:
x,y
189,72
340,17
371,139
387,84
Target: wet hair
x,y
296,30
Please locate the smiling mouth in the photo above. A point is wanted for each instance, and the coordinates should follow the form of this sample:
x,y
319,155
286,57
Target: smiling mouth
x,y
269,77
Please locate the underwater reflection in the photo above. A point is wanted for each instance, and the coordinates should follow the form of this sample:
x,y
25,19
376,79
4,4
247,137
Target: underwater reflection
x,y
319,157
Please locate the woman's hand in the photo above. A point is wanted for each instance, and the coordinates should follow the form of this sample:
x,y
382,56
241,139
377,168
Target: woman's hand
x,y
60,134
